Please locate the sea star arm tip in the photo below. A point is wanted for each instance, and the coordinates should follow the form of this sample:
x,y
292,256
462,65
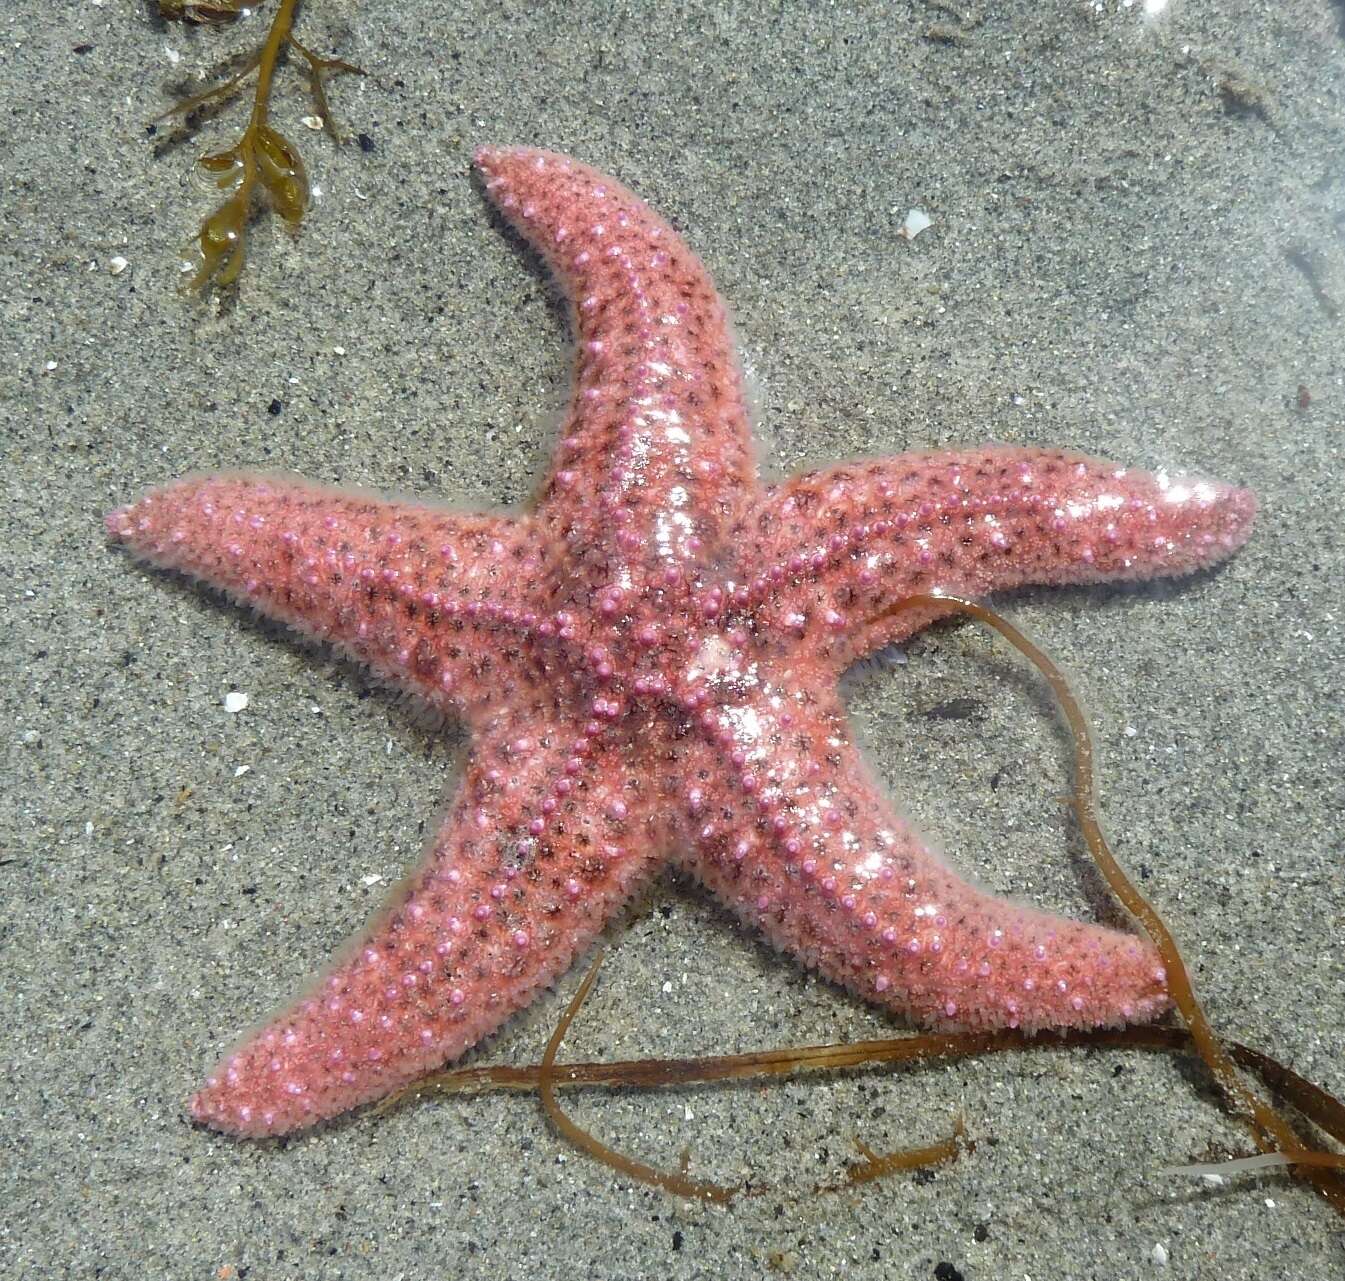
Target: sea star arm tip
x,y
404,589
527,867
655,457
832,549
805,844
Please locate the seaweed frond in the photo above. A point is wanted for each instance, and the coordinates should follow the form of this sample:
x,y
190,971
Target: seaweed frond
x,y
263,163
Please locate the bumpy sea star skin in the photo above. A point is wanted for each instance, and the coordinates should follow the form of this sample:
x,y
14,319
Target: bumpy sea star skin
x,y
647,664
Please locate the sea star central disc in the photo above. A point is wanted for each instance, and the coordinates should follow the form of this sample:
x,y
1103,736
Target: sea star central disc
x,y
647,663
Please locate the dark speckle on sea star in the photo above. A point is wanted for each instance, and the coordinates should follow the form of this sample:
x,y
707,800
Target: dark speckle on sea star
x,y
647,663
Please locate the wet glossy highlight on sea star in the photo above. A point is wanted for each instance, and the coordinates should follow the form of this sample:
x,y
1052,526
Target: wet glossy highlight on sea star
x,y
647,664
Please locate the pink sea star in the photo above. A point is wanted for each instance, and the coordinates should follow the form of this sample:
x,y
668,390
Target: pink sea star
x,y
647,663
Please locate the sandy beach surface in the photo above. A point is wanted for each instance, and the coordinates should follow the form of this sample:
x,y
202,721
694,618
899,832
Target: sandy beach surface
x,y
1136,248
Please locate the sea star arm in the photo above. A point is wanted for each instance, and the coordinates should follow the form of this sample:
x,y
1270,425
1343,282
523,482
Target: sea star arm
x,y
831,548
788,827
548,835
655,456
427,598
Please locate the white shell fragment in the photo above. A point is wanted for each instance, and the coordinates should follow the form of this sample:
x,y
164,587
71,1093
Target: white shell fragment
x,y
916,222
235,701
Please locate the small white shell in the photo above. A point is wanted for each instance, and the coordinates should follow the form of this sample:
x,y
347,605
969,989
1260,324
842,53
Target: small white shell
x,y
916,222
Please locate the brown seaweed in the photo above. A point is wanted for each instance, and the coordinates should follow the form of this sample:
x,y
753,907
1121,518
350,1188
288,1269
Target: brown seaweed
x,y
263,166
